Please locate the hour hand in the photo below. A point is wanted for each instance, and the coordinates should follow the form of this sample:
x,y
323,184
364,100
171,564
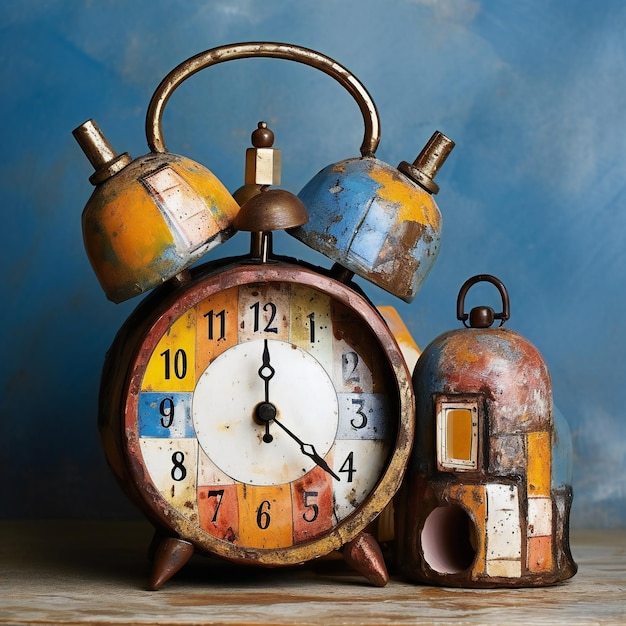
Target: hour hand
x,y
308,450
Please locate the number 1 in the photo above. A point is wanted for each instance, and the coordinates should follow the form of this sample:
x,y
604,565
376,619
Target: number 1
x,y
311,317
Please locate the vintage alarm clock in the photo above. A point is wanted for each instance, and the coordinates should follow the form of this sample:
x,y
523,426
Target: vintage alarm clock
x,y
487,495
258,408
258,411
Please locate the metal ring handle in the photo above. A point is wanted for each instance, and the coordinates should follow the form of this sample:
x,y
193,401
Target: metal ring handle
x,y
460,302
262,49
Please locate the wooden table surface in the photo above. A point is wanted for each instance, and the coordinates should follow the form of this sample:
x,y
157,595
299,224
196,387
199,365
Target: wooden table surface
x,y
84,572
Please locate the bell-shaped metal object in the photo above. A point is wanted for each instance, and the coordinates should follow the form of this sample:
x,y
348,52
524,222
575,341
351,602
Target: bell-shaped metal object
x,y
269,210
149,218
377,221
486,498
265,212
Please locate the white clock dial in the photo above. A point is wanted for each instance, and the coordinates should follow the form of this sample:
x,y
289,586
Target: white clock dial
x,y
228,393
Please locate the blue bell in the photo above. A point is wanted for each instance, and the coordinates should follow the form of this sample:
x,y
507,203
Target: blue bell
x,y
377,221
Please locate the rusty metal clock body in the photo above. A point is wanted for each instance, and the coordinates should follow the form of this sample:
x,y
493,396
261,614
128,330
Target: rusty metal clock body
x,y
184,389
257,408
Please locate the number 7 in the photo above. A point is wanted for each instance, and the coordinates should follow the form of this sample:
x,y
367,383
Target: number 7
x,y
218,494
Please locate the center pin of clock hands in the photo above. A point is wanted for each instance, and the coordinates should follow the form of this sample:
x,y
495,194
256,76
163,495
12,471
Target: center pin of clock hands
x,y
265,412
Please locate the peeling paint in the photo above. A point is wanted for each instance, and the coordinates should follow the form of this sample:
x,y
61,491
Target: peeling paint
x,y
373,220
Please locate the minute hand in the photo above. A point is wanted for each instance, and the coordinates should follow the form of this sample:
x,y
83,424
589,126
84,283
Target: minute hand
x,y
308,450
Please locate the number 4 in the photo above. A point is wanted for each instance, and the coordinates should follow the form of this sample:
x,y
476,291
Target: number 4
x,y
348,466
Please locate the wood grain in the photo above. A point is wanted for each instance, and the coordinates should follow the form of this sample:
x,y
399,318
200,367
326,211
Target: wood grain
x,y
86,572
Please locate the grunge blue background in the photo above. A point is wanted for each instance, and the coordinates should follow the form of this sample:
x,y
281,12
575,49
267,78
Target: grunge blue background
x,y
533,93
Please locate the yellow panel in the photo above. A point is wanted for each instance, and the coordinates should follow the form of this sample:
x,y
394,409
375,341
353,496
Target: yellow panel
x,y
414,203
459,434
539,463
137,243
265,516
172,364
504,568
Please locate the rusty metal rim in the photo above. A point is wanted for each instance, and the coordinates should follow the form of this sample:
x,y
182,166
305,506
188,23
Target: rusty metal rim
x,y
168,517
285,51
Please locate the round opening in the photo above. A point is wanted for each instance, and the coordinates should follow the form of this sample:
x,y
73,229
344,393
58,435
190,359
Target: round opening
x,y
448,540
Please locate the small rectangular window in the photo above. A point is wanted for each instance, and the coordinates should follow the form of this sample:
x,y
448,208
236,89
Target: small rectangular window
x,y
457,433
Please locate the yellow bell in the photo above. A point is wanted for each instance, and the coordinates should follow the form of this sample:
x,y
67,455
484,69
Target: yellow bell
x,y
149,218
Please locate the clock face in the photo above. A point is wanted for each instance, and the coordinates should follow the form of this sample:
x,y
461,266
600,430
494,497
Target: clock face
x,y
264,414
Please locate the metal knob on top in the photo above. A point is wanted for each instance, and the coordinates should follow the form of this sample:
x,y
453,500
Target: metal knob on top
x,y
262,160
98,150
428,162
263,209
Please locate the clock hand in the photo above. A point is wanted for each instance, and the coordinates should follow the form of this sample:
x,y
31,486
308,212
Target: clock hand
x,y
266,412
308,450
266,372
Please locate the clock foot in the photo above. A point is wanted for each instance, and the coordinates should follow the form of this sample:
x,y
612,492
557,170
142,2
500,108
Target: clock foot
x,y
170,556
363,554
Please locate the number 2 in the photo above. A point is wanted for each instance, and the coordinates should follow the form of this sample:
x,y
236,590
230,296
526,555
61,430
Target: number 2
x,y
349,363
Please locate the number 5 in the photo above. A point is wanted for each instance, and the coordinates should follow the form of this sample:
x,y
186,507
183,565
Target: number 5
x,y
312,507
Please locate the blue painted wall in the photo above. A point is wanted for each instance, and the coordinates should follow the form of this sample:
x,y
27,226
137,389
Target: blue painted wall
x,y
533,93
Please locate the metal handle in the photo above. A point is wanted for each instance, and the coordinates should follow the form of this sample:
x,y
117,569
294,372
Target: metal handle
x,y
481,312
289,52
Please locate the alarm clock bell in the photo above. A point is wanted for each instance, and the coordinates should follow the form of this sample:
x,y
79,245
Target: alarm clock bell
x,y
150,218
